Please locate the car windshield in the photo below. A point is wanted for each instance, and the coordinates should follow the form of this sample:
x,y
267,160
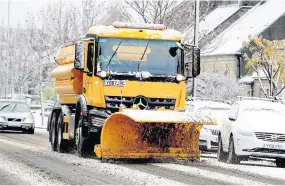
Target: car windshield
x,y
13,107
133,55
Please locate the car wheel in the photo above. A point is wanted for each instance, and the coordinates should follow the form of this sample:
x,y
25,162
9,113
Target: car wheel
x,y
232,157
31,131
61,143
221,155
280,162
53,133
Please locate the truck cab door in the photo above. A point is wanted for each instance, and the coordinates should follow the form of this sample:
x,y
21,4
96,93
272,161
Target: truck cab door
x,y
88,78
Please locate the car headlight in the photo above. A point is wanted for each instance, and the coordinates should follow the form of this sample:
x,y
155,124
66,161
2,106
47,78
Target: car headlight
x,y
245,133
29,119
205,129
2,119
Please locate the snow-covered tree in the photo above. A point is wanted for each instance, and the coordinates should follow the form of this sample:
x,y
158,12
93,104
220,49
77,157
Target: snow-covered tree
x,y
152,11
266,57
215,86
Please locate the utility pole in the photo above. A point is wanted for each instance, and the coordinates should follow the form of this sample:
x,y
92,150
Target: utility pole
x,y
41,91
196,35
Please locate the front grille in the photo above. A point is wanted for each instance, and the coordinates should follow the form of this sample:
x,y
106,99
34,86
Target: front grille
x,y
214,132
114,102
96,121
14,119
214,144
271,137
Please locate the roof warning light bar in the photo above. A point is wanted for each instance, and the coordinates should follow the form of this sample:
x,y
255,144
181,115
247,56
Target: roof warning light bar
x,y
139,26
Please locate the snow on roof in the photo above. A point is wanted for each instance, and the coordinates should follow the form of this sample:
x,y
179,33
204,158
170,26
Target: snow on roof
x,y
212,20
246,79
261,74
254,22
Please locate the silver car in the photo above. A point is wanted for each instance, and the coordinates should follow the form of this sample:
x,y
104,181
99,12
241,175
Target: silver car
x,y
16,115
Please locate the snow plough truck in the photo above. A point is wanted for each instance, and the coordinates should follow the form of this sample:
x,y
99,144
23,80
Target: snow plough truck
x,y
122,94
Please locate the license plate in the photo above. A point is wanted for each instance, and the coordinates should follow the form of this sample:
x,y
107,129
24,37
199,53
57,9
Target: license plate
x,y
120,83
273,146
14,124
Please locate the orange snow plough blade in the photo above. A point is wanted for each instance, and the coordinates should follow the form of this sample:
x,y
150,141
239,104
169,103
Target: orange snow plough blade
x,y
151,134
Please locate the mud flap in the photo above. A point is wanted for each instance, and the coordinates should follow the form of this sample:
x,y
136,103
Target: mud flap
x,y
151,134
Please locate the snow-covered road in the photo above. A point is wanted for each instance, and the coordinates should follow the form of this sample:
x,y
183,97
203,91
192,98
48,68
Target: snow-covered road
x,y
27,159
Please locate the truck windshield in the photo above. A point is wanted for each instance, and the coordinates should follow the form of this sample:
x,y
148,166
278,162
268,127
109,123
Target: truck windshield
x,y
156,57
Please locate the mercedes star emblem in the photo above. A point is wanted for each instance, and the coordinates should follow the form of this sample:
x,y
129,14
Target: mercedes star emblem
x,y
141,102
274,137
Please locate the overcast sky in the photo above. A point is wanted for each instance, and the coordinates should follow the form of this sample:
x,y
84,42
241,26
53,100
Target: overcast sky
x,y
20,8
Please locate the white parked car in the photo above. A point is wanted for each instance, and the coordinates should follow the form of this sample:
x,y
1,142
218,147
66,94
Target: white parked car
x,y
253,128
208,140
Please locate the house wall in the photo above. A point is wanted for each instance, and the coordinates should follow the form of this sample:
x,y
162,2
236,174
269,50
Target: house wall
x,y
226,65
257,91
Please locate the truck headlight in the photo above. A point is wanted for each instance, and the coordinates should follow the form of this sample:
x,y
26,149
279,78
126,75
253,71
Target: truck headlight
x,y
2,119
102,74
29,119
179,77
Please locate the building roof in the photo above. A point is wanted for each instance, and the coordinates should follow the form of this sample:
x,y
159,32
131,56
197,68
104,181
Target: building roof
x,y
211,21
246,79
254,22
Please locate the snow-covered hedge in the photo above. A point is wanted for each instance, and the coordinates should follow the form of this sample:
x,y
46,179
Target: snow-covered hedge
x,y
215,86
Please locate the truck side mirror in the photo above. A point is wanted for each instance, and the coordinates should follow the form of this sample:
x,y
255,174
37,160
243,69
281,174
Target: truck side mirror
x,y
191,61
79,55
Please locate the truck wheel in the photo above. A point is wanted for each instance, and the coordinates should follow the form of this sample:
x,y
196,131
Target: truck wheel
x,y
61,143
232,157
53,133
81,143
280,162
221,155
81,140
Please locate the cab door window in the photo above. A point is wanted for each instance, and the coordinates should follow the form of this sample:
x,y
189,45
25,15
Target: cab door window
x,y
90,56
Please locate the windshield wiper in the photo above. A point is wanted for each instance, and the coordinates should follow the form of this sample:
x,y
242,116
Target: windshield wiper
x,y
143,55
113,56
13,107
4,107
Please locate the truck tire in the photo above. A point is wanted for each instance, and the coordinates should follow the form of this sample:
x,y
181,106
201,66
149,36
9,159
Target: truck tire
x,y
221,155
81,140
53,132
280,162
61,143
232,157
